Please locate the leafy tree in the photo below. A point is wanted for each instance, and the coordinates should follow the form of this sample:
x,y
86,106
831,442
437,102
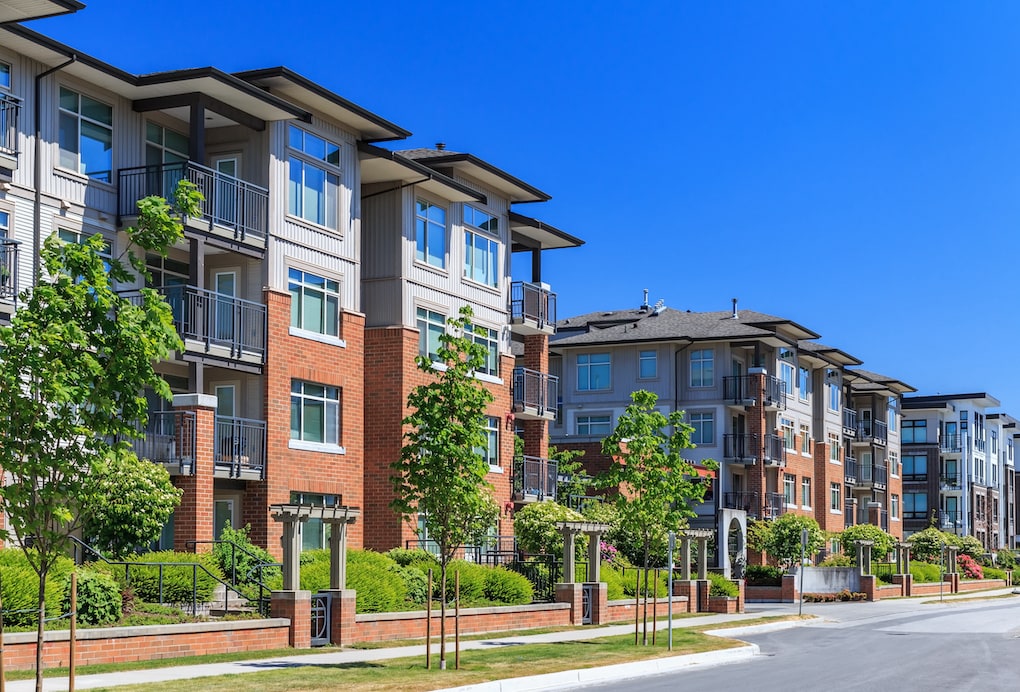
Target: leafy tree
x,y
927,545
657,487
441,475
536,530
73,364
780,538
884,543
572,481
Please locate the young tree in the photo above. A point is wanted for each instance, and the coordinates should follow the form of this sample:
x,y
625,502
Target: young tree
x,y
73,365
657,487
441,473
780,538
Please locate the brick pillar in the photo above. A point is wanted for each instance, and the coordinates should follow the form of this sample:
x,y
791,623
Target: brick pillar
x,y
193,519
342,611
295,606
703,587
954,582
600,606
686,589
875,516
741,589
906,584
789,588
869,585
536,432
572,594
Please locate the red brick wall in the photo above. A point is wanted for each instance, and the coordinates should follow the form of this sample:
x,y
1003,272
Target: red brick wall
x,y
385,627
193,518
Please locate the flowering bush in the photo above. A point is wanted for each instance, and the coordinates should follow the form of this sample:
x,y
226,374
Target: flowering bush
x,y
970,568
607,551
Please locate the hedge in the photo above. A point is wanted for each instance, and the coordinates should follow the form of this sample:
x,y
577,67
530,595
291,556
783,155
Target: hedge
x,y
721,586
178,579
20,588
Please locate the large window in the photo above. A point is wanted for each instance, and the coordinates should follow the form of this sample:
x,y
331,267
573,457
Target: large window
x,y
834,448
5,225
86,135
804,383
481,246
894,463
704,428
78,237
789,489
835,503
833,396
314,413
594,425
894,404
490,452
805,439
593,372
5,76
430,233
647,365
789,441
805,492
702,368
915,506
314,532
431,326
313,192
489,340
786,375
314,303
894,507
163,145
914,431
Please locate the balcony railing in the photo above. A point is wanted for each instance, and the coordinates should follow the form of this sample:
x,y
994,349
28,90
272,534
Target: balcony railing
x,y
979,444
849,422
883,518
10,106
169,438
742,500
850,513
747,448
873,430
739,389
533,305
229,202
876,474
950,519
8,269
952,442
240,447
774,507
851,471
535,477
951,481
774,394
534,393
774,452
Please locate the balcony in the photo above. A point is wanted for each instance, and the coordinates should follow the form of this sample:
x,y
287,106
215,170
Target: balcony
x,y
774,393
951,520
875,475
740,390
951,444
851,471
169,439
850,513
849,423
979,445
951,481
873,432
532,308
233,210
9,269
534,479
774,507
742,500
534,394
240,450
747,448
10,106
883,518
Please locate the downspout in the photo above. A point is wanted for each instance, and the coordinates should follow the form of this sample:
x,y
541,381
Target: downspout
x,y
37,211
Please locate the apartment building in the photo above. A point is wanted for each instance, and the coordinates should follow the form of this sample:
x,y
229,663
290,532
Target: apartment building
x,y
958,467
769,403
320,265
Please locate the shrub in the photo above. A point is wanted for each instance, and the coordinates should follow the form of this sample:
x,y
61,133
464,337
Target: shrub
x,y
926,545
411,556
99,598
20,588
884,543
967,545
655,587
415,583
179,579
970,568
994,573
837,560
380,588
721,586
472,581
925,573
536,531
763,575
781,538
504,586
1006,559
614,582
245,558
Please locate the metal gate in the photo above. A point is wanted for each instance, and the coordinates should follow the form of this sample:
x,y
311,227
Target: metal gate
x,y
587,599
321,606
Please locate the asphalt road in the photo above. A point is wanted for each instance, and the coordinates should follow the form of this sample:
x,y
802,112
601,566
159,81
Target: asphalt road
x,y
896,647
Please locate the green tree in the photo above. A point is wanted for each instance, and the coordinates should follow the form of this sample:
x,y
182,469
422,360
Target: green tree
x,y
781,538
441,475
572,482
927,545
884,543
536,530
657,488
73,364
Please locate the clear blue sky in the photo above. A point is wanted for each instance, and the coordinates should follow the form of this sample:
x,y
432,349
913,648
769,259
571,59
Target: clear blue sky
x,y
852,166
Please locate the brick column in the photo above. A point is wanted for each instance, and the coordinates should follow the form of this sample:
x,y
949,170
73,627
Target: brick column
x,y
342,612
295,606
572,594
536,432
600,605
905,582
869,585
789,588
687,590
703,588
193,519
741,589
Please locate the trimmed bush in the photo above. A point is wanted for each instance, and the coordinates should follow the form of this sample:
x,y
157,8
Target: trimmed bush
x,y
721,586
884,542
994,573
179,580
411,556
763,575
472,581
20,588
245,558
1006,559
380,588
504,586
837,560
415,583
654,589
99,598
925,573
614,582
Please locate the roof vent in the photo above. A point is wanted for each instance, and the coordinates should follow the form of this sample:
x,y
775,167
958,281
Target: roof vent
x,y
660,305
735,315
644,303
440,146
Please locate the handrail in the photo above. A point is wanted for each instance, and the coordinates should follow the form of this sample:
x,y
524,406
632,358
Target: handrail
x,y
260,566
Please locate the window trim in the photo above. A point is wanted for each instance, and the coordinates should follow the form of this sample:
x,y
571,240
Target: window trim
x,y
836,498
328,169
79,118
642,358
422,333
311,445
587,368
588,415
711,421
300,329
424,262
701,361
494,246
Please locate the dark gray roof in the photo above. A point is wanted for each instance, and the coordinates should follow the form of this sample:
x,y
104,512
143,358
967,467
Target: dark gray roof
x,y
427,153
829,353
515,188
867,381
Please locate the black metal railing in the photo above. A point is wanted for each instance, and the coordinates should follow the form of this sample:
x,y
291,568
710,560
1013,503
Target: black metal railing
x,y
950,519
951,442
532,303
240,446
9,268
169,438
774,392
883,519
742,447
229,202
979,444
774,506
742,500
773,451
543,571
535,477
247,581
875,430
10,107
850,422
849,513
875,474
851,471
739,389
535,390
948,481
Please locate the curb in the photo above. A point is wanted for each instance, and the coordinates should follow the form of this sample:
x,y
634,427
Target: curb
x,y
619,671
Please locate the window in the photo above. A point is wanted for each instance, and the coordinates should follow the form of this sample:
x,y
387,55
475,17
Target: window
x,y
481,250
805,492
314,532
995,442
78,237
5,225
786,427
804,385
163,145
894,507
167,271
834,448
915,505
704,428
490,452
431,326
914,431
593,372
85,135
789,489
430,233
5,75
489,340
835,503
786,375
833,396
314,413
805,439
314,302
647,365
702,368
892,413
593,425
313,190
894,463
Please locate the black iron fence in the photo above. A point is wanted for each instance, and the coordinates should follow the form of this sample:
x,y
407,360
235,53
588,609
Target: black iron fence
x,y
534,477
10,107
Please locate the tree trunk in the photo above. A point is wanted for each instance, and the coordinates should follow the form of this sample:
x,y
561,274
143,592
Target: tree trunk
x,y
442,615
40,631
644,625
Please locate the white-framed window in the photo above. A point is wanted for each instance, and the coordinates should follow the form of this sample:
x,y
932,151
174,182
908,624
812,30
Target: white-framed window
x,y
894,507
490,452
481,246
589,425
5,225
786,375
704,428
894,463
85,135
314,532
313,191
834,448
789,440
805,492
594,372
430,233
489,340
804,383
431,326
835,494
648,365
163,145
314,302
702,367
5,76
314,413
805,439
833,392
789,489
894,404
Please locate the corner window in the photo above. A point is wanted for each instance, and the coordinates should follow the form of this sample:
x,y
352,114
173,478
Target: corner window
x,y
593,372
704,428
893,406
834,448
431,326
833,396
594,425
805,439
481,250
430,233
786,375
702,368
164,146
489,340
490,452
314,413
648,366
314,302
313,190
835,504
85,135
